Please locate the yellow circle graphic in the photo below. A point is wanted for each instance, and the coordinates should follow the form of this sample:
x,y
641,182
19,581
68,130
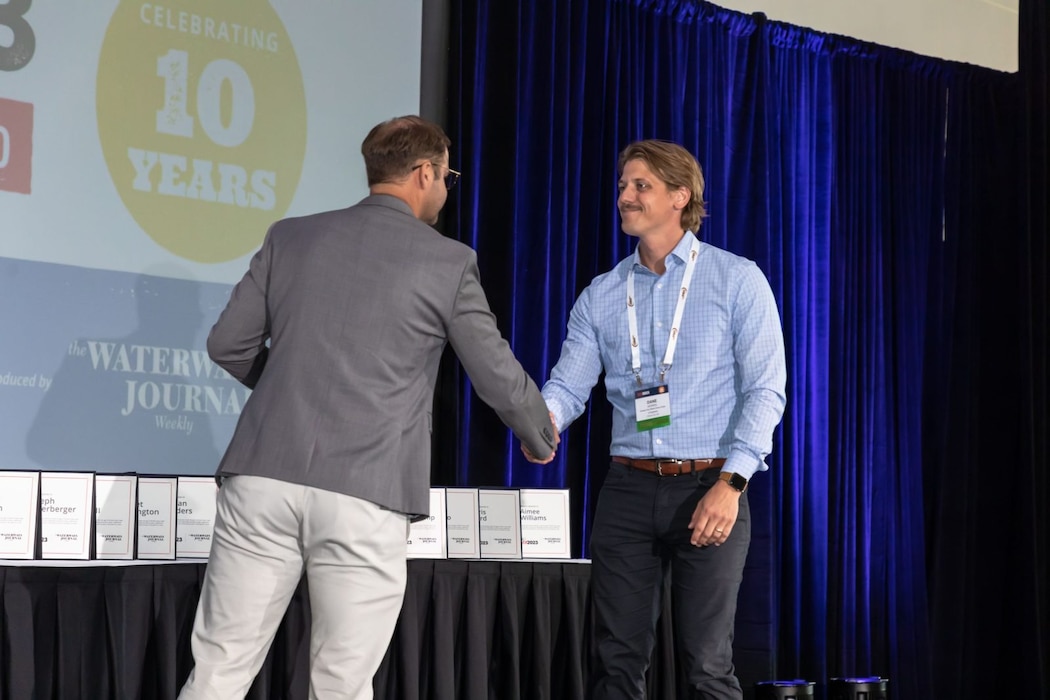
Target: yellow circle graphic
x,y
202,121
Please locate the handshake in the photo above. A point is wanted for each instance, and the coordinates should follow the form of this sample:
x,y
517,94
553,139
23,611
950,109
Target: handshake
x,y
557,439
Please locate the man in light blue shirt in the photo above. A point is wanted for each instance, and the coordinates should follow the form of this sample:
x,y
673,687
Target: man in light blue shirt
x,y
690,341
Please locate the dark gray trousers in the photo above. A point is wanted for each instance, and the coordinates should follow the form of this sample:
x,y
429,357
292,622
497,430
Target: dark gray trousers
x,y
640,535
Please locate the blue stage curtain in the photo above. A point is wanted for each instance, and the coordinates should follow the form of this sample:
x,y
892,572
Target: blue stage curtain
x,y
827,162
887,215
988,414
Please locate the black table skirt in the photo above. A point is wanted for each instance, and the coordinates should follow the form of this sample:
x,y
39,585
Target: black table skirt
x,y
469,630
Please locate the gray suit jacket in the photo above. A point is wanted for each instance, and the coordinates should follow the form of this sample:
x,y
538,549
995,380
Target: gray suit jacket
x,y
339,325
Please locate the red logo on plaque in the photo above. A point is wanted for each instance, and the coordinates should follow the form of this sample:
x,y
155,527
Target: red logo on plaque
x,y
16,145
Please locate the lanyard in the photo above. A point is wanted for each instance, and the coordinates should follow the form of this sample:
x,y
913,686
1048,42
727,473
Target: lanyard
x,y
679,309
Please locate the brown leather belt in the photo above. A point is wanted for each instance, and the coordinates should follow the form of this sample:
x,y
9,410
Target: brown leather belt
x,y
671,467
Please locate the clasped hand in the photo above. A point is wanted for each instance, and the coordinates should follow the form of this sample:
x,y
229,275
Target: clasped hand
x,y
557,439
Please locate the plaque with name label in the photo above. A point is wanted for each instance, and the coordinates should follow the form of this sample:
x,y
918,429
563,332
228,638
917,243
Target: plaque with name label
x,y
427,537
156,517
195,516
66,514
19,514
500,515
461,519
545,524
115,515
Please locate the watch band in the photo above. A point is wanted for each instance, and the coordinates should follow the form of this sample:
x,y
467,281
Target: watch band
x,y
735,481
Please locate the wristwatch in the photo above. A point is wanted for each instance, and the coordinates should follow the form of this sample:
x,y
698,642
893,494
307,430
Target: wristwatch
x,y
734,480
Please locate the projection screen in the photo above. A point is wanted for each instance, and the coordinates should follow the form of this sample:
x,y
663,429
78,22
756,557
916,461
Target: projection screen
x,y
145,148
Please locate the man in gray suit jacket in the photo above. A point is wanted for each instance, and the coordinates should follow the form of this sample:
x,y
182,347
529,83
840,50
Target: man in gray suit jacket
x,y
338,326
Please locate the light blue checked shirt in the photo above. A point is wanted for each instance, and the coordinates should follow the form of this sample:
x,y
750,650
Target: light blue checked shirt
x,y
727,380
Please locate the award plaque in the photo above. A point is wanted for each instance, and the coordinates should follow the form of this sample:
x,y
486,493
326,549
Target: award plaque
x,y
545,524
156,517
500,515
66,514
195,516
427,538
19,514
461,520
115,499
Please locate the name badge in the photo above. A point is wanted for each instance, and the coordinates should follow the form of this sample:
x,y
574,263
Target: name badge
x,y
652,407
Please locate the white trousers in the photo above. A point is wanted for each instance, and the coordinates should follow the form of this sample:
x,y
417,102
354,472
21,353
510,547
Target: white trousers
x,y
267,533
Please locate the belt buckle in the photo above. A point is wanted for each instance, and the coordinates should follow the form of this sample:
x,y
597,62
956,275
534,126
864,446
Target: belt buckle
x,y
661,462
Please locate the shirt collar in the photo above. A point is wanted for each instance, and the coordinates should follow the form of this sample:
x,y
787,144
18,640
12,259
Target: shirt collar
x,y
680,251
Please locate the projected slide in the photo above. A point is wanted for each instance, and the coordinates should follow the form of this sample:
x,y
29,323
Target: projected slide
x,y
145,148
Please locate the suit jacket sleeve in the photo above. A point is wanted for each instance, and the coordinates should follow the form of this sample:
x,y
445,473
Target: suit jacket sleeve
x,y
237,341
496,374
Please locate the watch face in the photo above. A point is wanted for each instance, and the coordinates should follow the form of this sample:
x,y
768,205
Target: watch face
x,y
735,480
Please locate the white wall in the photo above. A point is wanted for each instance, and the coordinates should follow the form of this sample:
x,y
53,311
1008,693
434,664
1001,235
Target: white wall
x,y
981,32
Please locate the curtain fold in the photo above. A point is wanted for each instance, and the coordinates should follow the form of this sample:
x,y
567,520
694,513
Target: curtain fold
x,y
799,240
886,208
989,391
